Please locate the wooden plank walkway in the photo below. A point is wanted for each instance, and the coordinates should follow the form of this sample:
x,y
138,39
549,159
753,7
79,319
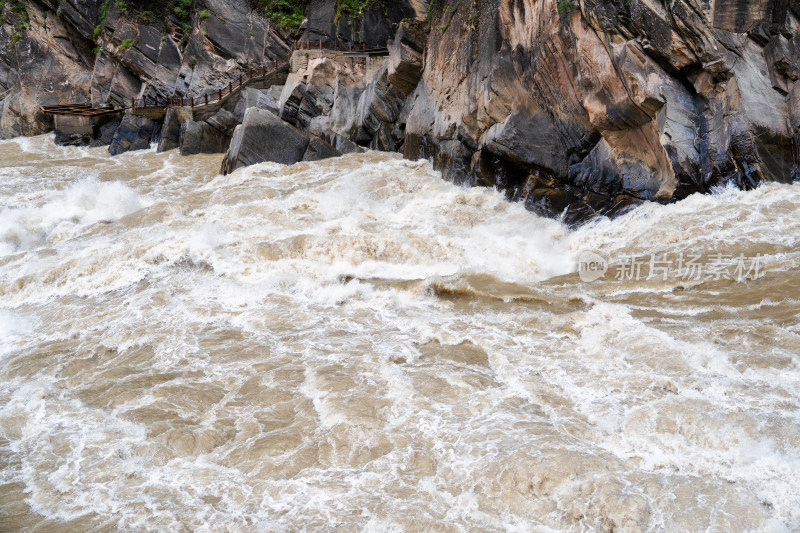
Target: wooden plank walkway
x,y
234,86
80,110
156,107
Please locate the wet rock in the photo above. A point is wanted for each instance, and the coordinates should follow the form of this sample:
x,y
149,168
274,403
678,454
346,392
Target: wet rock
x,y
211,136
318,150
170,132
134,133
262,137
405,64
191,137
268,99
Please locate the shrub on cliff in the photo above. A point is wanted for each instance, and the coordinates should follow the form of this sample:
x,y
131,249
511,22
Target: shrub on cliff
x,y
287,14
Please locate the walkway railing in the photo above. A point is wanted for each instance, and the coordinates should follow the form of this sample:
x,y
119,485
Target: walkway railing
x,y
79,110
334,46
208,98
243,79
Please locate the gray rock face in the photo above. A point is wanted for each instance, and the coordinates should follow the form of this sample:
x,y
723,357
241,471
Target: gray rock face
x,y
318,150
268,99
170,132
45,66
62,58
645,101
374,26
590,112
212,136
262,137
134,133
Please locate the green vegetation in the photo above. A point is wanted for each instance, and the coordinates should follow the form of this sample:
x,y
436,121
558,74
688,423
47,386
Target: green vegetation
x,y
19,13
183,10
287,14
99,28
355,8
153,10
565,7
125,45
192,62
451,10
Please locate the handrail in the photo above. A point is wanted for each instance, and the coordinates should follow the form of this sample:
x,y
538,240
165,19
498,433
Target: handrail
x,y
79,110
334,46
208,98
236,84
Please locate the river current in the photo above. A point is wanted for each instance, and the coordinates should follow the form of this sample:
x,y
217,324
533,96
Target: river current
x,y
358,345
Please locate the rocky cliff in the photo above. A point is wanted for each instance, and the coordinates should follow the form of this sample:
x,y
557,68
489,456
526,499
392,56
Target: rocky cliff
x,y
603,102
109,51
574,107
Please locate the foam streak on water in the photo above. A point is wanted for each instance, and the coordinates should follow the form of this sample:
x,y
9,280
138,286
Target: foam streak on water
x,y
356,345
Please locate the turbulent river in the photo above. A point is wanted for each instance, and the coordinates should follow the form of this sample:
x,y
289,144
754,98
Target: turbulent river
x,y
357,345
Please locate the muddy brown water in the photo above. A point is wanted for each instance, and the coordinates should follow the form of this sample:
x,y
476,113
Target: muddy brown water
x,y
357,345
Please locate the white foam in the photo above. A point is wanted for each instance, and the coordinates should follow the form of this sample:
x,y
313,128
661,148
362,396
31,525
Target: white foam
x,y
13,328
64,212
293,313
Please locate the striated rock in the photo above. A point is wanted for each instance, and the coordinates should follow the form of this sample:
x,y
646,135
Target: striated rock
x,y
268,99
170,132
262,137
62,53
211,136
405,60
318,150
644,100
134,133
374,26
45,66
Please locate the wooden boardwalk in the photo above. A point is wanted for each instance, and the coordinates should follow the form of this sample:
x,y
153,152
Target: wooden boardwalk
x,y
80,110
156,107
212,98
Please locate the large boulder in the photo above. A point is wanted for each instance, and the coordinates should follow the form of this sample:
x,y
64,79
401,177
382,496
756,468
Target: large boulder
x,y
134,133
318,150
268,99
211,136
170,132
262,137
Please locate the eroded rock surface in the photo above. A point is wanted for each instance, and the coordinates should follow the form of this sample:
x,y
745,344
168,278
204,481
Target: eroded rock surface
x,y
262,137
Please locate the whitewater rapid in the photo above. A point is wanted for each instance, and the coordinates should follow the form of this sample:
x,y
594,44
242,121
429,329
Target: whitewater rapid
x,y
357,345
